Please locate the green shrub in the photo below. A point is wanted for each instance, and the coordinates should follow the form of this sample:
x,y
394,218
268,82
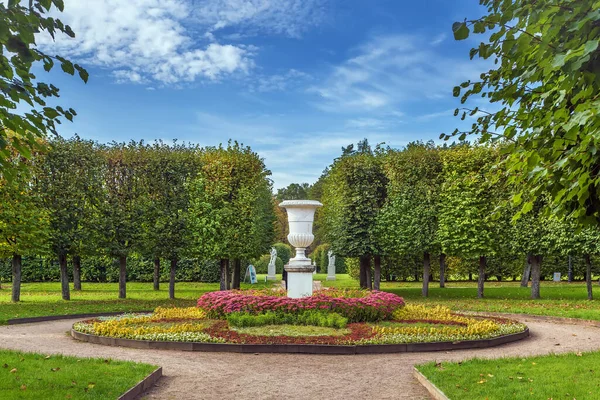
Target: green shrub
x,y
353,267
312,317
262,264
284,251
321,259
106,269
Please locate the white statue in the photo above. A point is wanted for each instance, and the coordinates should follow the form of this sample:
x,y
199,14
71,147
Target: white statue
x,y
331,266
272,268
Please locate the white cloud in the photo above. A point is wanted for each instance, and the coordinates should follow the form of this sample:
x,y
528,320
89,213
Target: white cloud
x,y
279,82
172,41
368,123
435,115
388,71
288,17
438,39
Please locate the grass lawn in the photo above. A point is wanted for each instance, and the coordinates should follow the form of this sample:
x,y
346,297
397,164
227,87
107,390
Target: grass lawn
x,y
38,299
36,376
569,376
292,330
558,299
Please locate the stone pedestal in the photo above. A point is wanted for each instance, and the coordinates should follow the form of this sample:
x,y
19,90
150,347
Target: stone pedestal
x,y
300,281
300,270
271,276
331,272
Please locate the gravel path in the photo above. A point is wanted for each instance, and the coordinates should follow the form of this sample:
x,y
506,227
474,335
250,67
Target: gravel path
x,y
194,375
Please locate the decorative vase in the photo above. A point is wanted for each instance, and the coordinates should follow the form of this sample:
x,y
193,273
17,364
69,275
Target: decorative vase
x,y
301,214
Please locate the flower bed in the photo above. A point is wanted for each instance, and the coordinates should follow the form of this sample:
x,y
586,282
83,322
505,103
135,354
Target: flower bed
x,y
258,317
356,306
447,327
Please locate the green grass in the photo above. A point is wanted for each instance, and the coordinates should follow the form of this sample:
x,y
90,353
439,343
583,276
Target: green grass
x,y
570,376
36,376
291,330
39,299
558,299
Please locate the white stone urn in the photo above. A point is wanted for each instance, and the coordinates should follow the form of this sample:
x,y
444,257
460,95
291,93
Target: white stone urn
x,y
301,214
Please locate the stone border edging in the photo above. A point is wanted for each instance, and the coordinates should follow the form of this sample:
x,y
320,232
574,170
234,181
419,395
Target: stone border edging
x,y
301,348
142,386
29,320
433,390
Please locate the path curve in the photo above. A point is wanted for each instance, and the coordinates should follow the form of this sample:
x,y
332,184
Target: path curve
x,y
197,375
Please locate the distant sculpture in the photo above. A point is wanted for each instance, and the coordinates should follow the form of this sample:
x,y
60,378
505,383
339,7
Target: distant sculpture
x,y
331,266
272,266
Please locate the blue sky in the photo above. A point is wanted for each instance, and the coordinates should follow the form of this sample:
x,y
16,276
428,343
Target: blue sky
x,y
294,79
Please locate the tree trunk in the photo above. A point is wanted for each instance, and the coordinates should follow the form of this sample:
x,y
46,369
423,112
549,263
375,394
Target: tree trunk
x,y
526,271
228,274
570,269
16,278
368,274
64,276
426,272
172,278
377,272
588,276
470,277
364,264
237,272
157,273
481,278
123,277
536,270
442,270
223,282
76,273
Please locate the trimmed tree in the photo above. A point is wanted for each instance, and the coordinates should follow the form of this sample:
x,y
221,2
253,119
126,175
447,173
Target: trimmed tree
x,y
535,234
70,184
408,223
468,224
118,220
24,228
231,209
354,192
166,173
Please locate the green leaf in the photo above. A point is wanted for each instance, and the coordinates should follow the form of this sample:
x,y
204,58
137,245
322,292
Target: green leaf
x,y
68,67
59,4
83,74
590,46
51,112
559,60
460,30
45,3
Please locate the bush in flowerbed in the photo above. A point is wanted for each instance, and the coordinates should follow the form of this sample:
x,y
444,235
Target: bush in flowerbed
x,y
315,318
356,306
